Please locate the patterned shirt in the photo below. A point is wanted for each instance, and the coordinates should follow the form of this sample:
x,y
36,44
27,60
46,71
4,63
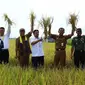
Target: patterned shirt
x,y
78,43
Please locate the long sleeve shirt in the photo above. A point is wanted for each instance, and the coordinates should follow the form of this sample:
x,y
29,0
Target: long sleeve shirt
x,y
5,38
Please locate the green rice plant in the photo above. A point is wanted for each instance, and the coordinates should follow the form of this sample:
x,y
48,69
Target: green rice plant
x,y
13,74
32,19
45,23
8,20
73,19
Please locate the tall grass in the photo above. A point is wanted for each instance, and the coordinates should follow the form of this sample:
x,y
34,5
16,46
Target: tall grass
x,y
13,74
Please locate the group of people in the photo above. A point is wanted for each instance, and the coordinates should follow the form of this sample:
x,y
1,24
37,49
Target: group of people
x,y
77,48
23,49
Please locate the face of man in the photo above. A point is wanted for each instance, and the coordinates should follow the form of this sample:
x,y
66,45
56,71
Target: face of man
x,y
61,31
79,32
22,32
2,32
36,34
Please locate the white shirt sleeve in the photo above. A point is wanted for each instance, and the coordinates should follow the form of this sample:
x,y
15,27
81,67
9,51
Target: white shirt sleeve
x,y
8,31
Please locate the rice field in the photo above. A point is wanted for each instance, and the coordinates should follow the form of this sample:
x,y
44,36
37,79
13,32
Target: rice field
x,y
13,74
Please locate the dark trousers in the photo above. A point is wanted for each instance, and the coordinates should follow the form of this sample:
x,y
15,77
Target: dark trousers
x,y
4,56
37,61
79,58
24,60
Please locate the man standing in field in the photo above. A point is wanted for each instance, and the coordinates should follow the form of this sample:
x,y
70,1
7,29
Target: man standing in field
x,y
78,49
37,50
60,46
4,55
23,50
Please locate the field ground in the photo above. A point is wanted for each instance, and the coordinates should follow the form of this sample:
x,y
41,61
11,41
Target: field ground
x,y
12,74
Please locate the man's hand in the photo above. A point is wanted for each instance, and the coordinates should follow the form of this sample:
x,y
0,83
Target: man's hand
x,y
72,56
17,54
72,52
35,42
16,57
41,39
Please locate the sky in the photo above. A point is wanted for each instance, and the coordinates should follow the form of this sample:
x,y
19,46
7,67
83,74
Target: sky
x,y
19,10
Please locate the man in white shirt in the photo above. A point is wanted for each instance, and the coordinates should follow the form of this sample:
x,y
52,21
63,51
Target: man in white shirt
x,y
4,56
37,50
